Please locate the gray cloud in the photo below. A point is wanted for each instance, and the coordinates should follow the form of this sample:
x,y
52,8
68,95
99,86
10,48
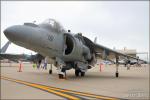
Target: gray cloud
x,y
115,23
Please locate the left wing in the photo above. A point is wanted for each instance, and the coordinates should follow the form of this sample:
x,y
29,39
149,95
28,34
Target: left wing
x,y
106,53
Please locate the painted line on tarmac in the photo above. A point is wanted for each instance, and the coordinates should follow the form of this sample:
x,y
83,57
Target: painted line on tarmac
x,y
42,88
84,94
72,92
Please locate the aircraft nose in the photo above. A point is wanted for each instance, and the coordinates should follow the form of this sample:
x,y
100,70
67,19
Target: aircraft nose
x,y
9,32
14,33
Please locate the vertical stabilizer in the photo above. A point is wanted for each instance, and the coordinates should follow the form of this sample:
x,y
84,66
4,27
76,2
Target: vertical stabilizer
x,y
4,48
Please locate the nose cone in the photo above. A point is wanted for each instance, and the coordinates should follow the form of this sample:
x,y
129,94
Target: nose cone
x,y
9,32
14,33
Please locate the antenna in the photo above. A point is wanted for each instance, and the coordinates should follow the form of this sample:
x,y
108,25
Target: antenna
x,y
34,21
95,40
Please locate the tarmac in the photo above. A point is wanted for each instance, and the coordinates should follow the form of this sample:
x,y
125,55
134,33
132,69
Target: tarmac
x,y
33,83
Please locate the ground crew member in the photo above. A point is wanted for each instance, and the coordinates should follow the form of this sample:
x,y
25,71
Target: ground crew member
x,y
45,65
34,65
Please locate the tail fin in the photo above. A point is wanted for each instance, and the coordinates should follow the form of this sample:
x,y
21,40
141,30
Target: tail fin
x,y
4,48
95,40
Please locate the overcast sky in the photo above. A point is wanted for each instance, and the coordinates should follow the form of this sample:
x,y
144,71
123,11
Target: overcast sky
x,y
116,24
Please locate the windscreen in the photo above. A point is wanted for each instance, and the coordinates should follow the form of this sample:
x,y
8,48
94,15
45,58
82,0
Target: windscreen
x,y
53,24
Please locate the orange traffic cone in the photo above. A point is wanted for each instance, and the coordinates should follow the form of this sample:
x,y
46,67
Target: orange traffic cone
x,y
100,67
20,67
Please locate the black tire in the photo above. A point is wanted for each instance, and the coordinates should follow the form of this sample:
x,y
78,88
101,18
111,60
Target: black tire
x,y
50,71
77,73
82,74
117,74
61,76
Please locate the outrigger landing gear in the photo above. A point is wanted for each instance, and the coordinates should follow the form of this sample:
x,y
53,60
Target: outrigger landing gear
x,y
117,65
50,71
117,74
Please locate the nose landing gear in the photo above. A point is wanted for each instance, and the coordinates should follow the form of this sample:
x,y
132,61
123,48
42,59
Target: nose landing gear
x,y
50,71
62,73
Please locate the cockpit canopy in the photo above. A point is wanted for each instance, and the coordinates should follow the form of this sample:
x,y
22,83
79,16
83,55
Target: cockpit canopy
x,y
52,24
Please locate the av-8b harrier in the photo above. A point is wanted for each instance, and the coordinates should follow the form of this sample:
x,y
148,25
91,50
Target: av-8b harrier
x,y
64,49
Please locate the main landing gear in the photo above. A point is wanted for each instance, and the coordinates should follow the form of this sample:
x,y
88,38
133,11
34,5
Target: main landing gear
x,y
61,76
79,72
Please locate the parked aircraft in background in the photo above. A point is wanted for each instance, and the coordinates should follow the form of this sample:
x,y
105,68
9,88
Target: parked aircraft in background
x,y
18,57
4,48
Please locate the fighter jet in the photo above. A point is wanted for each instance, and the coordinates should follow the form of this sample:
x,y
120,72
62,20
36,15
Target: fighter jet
x,y
65,49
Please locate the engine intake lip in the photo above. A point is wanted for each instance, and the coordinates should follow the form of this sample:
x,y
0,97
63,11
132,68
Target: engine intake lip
x,y
69,44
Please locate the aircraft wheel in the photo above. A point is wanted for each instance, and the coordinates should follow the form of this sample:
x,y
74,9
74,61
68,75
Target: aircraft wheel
x,y
77,72
82,74
117,74
61,76
50,71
